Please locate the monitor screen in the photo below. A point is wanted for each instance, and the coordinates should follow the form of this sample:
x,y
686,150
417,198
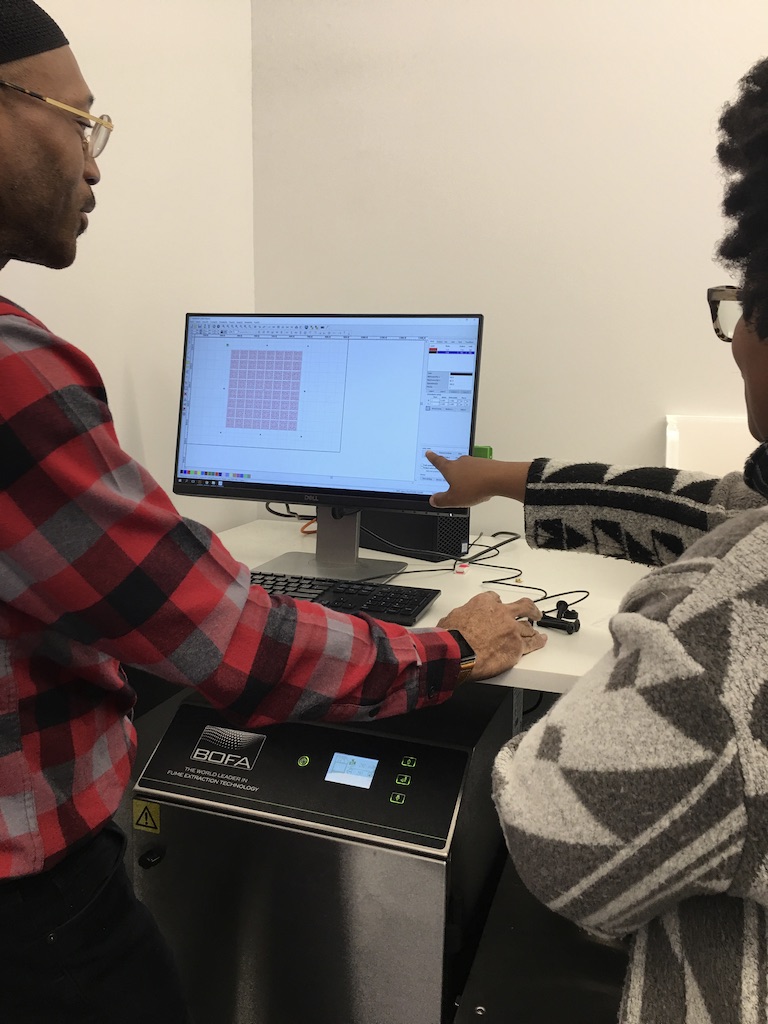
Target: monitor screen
x,y
329,410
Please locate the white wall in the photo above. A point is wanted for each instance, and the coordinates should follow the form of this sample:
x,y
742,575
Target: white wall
x,y
173,227
546,162
549,163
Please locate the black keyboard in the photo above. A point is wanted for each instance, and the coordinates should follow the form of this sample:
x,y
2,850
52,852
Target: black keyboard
x,y
404,605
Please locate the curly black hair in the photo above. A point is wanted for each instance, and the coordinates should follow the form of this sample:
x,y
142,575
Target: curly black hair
x,y
743,155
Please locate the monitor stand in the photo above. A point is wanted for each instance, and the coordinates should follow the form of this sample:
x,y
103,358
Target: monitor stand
x,y
337,552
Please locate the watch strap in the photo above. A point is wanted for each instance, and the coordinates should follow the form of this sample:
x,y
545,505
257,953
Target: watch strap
x,y
466,654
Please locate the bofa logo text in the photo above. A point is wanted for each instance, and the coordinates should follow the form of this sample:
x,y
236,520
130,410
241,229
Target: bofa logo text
x,y
228,748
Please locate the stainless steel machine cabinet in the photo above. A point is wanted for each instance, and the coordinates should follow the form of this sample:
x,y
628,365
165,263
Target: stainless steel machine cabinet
x,y
324,874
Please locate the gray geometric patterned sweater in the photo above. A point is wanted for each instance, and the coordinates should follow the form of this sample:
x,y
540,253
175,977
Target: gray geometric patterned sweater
x,y
638,806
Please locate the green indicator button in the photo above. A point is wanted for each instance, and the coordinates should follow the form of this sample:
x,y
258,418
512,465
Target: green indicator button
x,y
303,761
397,798
403,780
408,762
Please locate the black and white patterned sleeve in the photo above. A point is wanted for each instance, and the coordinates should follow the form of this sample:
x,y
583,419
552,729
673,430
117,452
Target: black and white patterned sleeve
x,y
644,515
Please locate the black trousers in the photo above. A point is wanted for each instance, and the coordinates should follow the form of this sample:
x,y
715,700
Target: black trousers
x,y
78,947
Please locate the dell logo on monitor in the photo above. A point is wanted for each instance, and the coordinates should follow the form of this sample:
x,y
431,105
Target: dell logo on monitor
x,y
312,498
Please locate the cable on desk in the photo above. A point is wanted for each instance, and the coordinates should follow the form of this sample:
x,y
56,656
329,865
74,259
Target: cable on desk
x,y
564,593
545,594
504,580
561,616
488,549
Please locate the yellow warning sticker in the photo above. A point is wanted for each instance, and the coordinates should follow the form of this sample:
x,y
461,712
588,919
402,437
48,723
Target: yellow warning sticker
x,y
146,816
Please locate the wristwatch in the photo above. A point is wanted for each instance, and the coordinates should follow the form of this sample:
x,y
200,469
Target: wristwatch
x,y
467,655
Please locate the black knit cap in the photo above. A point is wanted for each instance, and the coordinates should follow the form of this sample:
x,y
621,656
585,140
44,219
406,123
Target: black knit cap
x,y
26,30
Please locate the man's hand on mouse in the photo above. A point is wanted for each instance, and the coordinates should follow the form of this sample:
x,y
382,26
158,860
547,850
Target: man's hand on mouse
x,y
500,634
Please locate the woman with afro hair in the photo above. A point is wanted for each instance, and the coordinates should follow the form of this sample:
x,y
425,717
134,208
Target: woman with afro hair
x,y
638,806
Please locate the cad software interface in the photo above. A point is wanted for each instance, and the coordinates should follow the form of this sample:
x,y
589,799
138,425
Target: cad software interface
x,y
336,402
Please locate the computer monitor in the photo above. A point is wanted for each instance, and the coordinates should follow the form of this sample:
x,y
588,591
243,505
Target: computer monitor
x,y
335,411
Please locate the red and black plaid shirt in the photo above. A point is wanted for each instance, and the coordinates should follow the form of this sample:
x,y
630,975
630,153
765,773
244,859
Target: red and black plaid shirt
x,y
98,569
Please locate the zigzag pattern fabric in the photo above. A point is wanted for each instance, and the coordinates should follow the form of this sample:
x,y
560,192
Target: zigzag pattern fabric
x,y
648,516
639,805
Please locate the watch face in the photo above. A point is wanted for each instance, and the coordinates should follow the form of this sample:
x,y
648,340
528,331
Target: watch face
x,y
466,653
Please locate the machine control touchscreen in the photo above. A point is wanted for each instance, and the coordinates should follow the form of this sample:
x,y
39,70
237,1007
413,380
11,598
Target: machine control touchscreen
x,y
351,771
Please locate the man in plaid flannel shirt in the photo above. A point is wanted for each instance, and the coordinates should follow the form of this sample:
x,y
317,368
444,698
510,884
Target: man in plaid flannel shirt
x,y
98,569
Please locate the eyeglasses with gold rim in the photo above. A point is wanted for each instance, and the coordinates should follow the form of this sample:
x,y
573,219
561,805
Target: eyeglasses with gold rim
x,y
95,136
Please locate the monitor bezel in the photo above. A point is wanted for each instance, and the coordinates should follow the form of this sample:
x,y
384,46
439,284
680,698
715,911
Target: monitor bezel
x,y
346,498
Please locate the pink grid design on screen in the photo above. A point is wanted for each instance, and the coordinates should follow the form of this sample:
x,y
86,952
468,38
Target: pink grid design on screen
x,y
264,389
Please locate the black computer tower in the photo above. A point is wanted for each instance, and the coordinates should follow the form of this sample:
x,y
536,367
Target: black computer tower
x,y
416,534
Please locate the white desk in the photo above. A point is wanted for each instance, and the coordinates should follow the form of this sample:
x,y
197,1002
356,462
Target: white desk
x,y
565,657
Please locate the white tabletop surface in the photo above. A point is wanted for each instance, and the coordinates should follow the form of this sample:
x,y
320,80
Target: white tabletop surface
x,y
564,658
